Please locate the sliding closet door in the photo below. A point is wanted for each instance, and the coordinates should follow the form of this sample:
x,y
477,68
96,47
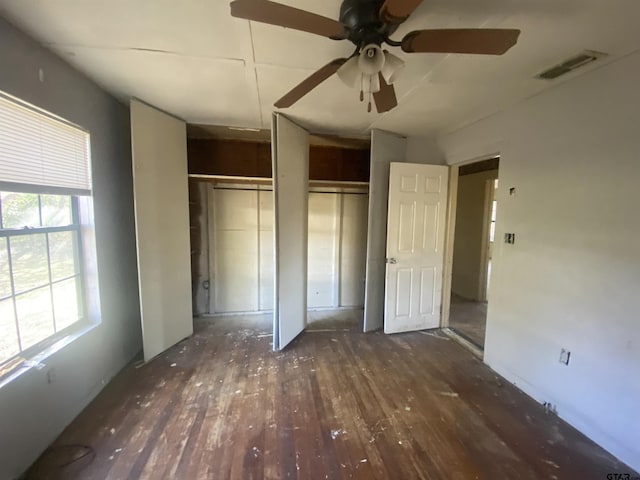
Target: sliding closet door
x,y
353,248
337,249
324,239
235,250
265,249
241,249
241,234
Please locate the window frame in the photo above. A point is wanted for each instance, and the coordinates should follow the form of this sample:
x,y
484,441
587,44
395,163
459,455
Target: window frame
x,y
76,227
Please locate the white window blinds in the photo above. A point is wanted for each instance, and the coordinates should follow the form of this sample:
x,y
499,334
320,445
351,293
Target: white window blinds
x,y
37,150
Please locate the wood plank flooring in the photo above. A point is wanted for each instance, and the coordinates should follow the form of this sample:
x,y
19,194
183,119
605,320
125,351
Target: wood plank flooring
x,y
335,405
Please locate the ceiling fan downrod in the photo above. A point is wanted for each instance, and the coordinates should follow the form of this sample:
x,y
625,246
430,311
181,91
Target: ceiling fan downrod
x,y
363,24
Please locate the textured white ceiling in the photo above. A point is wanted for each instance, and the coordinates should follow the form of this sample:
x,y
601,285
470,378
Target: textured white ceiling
x,y
193,59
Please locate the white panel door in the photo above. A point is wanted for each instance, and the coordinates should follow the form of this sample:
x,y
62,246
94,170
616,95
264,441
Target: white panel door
x,y
290,152
415,243
161,205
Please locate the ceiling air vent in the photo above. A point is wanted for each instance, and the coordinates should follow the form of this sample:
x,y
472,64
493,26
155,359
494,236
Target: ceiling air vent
x,y
571,64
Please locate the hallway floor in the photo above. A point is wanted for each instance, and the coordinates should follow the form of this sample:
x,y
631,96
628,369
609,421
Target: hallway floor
x,y
468,319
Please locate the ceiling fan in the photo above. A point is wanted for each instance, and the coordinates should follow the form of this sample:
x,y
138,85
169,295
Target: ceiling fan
x,y
368,25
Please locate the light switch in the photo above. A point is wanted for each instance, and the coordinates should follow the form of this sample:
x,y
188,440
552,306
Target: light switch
x,y
510,238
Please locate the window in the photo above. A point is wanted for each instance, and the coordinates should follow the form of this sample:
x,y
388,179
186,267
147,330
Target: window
x,y
40,281
44,183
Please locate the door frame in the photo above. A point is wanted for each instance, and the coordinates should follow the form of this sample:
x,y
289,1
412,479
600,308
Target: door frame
x,y
485,245
454,173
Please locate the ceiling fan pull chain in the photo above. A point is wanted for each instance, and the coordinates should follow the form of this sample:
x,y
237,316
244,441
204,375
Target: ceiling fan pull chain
x,y
361,88
369,106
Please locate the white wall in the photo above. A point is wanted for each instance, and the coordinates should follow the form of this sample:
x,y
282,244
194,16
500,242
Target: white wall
x,y
424,150
385,148
32,411
573,276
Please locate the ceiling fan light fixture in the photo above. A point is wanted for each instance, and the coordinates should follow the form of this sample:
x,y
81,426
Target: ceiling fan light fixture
x,y
371,83
393,65
371,59
350,72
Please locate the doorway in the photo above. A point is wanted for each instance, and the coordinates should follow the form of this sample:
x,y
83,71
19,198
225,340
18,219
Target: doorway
x,y
476,210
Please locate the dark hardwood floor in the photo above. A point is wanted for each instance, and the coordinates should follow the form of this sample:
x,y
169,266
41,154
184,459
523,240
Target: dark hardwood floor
x,y
334,405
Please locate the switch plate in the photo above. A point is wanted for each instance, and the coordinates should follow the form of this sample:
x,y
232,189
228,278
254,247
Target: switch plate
x,y
565,355
510,238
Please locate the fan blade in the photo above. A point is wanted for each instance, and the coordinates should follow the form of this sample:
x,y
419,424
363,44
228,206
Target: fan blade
x,y
487,41
385,98
285,16
397,11
310,83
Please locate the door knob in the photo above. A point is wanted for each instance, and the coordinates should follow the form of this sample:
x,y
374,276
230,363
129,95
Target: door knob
x,y
392,261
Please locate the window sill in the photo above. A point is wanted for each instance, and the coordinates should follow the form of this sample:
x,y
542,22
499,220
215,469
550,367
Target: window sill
x,y
22,365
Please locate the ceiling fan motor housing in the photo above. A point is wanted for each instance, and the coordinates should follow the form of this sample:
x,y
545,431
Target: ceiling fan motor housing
x,y
362,20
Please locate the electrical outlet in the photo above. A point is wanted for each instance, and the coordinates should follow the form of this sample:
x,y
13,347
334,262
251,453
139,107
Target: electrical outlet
x,y
565,355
